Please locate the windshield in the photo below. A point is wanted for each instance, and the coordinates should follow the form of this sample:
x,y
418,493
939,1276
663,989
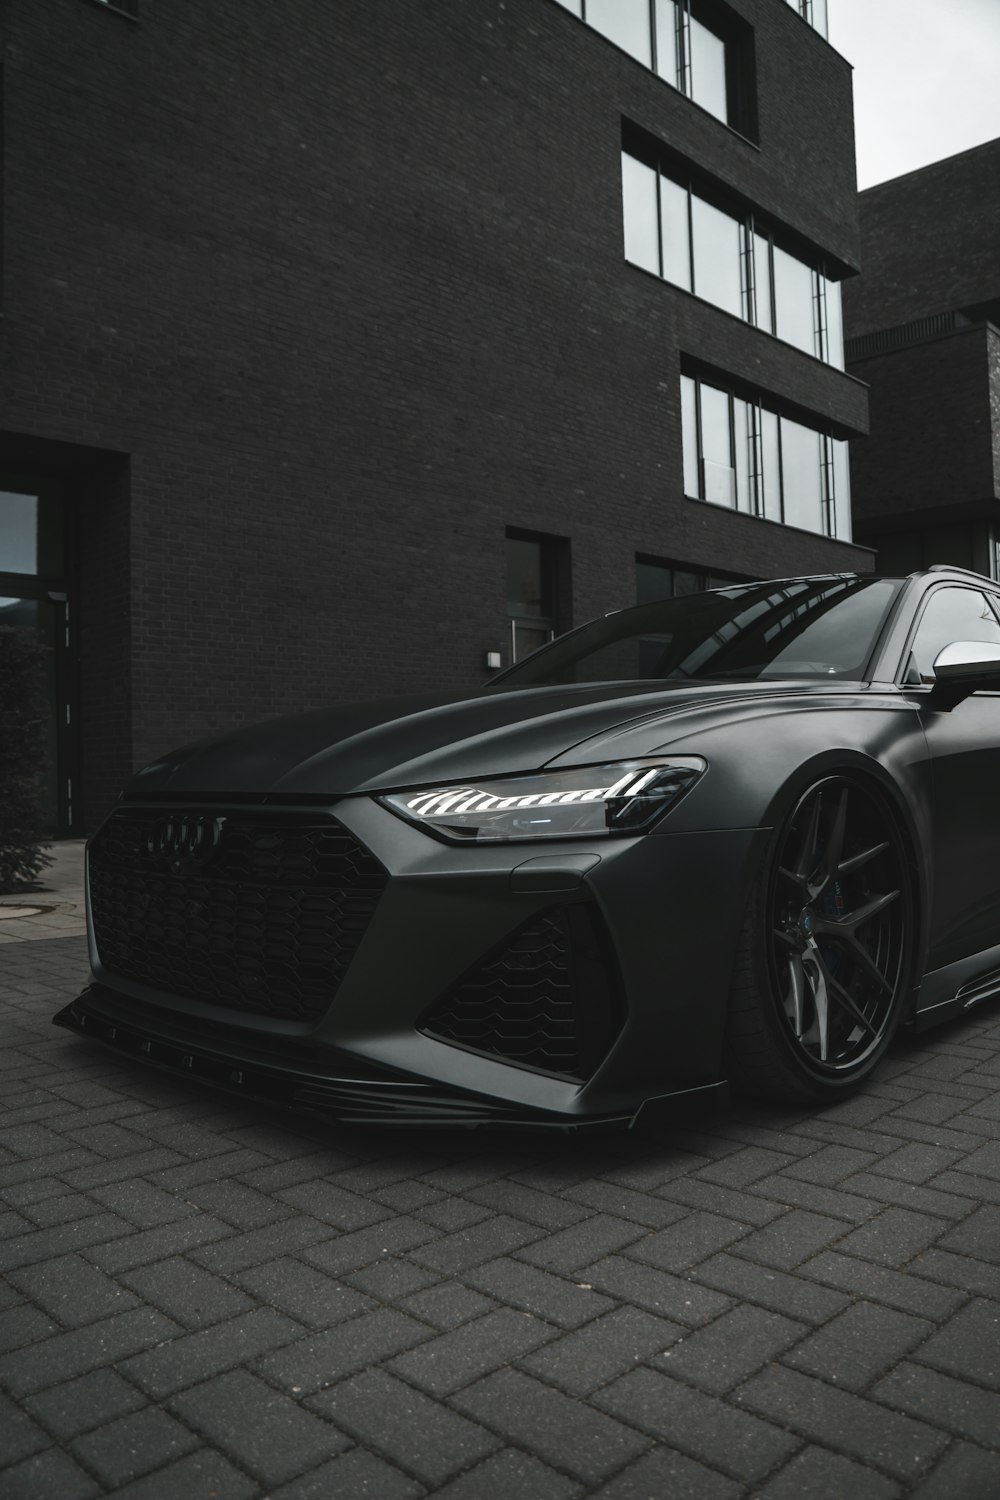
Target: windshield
x,y
801,627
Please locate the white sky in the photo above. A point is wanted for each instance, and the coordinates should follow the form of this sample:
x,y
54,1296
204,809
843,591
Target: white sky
x,y
926,79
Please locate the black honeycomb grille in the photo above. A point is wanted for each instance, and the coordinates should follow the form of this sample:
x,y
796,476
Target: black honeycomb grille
x,y
548,998
268,924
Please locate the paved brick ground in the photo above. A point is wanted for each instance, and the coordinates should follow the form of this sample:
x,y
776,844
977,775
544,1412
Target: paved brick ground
x,y
200,1299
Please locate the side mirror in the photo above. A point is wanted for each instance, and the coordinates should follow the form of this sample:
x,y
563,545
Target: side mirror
x,y
965,667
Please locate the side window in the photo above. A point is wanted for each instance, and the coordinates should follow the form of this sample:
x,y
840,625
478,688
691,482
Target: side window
x,y
952,614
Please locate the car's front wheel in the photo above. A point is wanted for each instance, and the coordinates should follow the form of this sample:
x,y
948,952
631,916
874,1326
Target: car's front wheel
x,y
824,964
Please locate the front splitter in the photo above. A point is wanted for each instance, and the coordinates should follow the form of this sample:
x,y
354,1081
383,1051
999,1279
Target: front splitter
x,y
348,1090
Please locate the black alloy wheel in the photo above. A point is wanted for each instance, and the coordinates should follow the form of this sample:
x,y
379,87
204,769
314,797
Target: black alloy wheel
x,y
827,948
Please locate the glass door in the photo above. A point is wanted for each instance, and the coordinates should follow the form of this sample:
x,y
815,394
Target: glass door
x,y
34,597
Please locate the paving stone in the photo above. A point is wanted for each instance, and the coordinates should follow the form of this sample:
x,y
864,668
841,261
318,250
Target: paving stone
x,y
983,1162
977,1235
321,1359
124,1168
734,1346
198,1474
589,1357
189,1174
20,1437
968,1345
976,1276
657,1291
817,1475
404,1197
85,1403
349,1251
844,1422
238,1204
450,1214
663,1475
905,1290
44,1244
565,1303
952,1404
407,1427
528,1204
453,1253
442,1365
699,1425
625,1203
357,1475
911,1195
187,1293
829,1165
788,1241
238,1251
859,1345
563,1432
568,1249
727,1203
966,1473
916,1162
447,1305
195,1356
304,1293
893,1238
792,1192
261,1429
72,1290
82,1350
510,1475
23,1325
131,1446
745,1166
778,1290
142,1204
47,1476
391,1278
63,1210
144,1247
334,1205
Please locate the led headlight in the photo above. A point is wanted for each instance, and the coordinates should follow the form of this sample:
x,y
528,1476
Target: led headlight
x,y
583,802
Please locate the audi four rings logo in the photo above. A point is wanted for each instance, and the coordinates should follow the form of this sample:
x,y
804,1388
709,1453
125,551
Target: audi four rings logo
x,y
184,840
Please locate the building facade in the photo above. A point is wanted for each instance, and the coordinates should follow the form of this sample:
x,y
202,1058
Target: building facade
x,y
348,349
924,334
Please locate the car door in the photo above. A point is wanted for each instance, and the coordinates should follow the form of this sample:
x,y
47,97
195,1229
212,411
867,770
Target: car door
x,y
964,744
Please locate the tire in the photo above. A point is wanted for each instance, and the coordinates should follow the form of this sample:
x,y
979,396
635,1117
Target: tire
x,y
823,966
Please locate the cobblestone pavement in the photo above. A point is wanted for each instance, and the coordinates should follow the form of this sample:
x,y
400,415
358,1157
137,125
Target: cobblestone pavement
x,y
200,1299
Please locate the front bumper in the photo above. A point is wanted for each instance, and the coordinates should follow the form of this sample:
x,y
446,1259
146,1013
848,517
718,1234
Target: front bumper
x,y
671,907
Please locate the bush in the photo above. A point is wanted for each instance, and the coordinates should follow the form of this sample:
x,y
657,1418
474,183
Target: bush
x,y
23,718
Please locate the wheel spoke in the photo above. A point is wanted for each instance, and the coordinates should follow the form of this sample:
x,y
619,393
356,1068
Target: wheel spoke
x,y
816,979
856,861
796,992
836,989
835,844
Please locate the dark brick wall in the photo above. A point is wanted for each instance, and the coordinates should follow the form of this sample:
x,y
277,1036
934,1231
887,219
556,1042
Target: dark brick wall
x,y
933,444
930,242
346,283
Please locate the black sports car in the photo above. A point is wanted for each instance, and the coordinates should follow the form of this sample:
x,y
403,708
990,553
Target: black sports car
x,y
741,836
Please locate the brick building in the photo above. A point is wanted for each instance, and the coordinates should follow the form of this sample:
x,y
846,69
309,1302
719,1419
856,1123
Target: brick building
x,y
343,345
924,333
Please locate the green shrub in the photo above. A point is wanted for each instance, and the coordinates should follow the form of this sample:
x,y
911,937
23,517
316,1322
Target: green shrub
x,y
23,717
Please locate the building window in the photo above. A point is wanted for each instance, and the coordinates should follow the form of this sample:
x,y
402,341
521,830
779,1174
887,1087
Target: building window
x,y
813,11
537,581
730,260
656,579
696,48
748,457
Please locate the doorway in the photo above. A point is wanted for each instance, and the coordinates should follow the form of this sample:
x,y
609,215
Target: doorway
x,y
36,596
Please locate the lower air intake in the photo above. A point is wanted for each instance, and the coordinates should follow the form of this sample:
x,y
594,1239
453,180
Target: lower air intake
x,y
547,998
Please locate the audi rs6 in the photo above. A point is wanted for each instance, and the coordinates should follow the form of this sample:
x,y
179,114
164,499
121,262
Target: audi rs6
x,y
738,837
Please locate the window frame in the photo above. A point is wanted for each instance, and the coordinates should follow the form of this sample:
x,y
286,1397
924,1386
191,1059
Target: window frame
x,y
753,237
758,483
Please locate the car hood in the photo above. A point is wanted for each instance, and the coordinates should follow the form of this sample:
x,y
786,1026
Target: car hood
x,y
400,742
